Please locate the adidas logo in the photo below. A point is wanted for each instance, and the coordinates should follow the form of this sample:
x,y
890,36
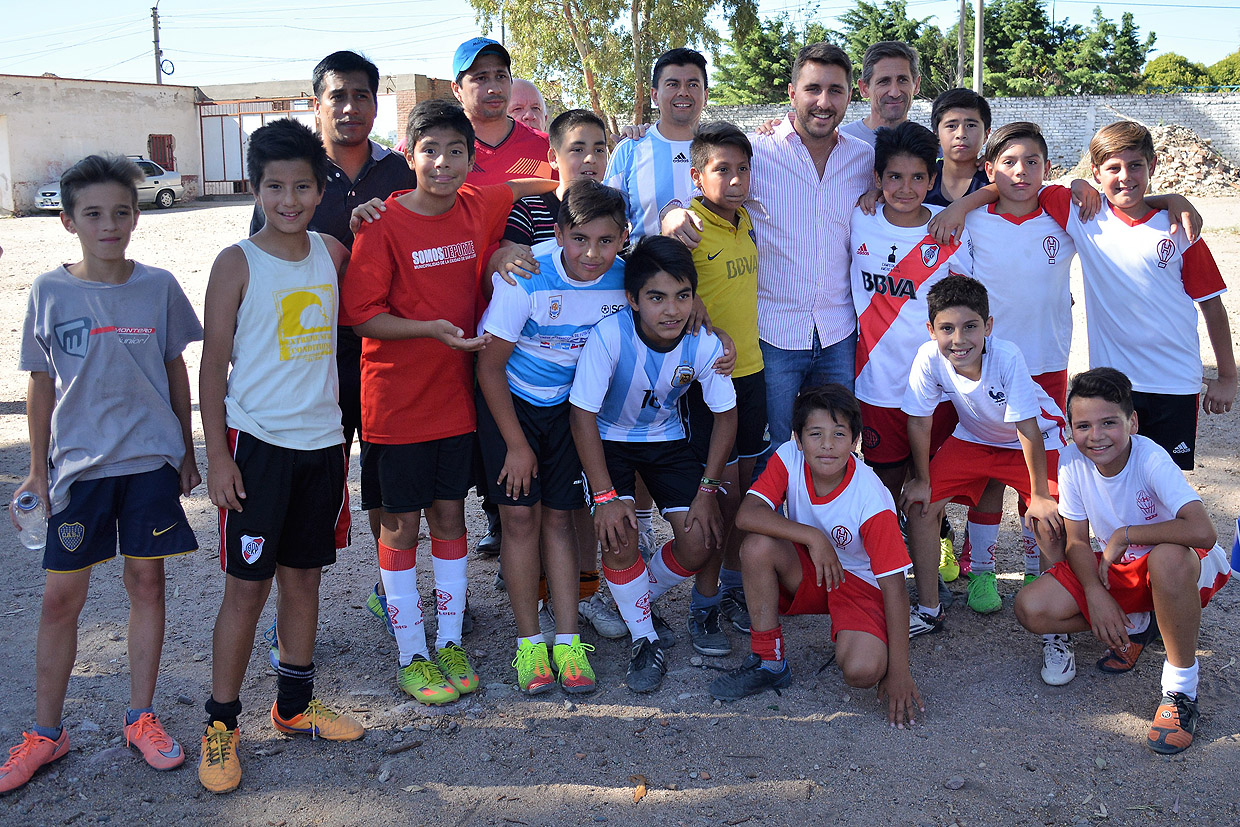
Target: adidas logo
x,y
1182,448
862,251
680,158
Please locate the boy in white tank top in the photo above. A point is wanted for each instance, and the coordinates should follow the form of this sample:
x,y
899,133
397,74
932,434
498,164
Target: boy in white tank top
x,y
276,466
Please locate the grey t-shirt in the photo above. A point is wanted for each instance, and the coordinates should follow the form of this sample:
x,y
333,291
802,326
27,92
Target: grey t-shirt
x,y
105,346
858,129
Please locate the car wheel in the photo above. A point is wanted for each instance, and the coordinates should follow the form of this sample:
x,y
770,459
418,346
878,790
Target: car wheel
x,y
164,199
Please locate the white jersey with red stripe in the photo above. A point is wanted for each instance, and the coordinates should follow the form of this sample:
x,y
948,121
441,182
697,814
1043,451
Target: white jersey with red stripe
x,y
1025,264
892,269
989,407
1141,280
859,516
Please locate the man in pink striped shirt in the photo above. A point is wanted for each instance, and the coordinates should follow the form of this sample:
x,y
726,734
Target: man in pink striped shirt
x,y
807,177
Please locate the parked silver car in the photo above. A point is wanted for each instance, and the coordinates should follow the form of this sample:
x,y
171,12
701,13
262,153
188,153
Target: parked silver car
x,y
161,187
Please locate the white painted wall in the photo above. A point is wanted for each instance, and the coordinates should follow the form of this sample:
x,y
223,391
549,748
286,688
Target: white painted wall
x,y
51,123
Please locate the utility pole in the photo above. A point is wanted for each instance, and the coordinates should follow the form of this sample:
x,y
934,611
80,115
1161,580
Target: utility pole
x,y
960,44
159,55
977,46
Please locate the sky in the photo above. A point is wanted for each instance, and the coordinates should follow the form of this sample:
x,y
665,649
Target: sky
x,y
233,41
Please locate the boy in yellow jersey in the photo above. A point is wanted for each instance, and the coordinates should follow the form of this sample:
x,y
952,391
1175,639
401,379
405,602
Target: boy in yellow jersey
x,y
727,263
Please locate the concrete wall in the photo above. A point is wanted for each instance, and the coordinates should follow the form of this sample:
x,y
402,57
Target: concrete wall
x,y
48,123
1067,122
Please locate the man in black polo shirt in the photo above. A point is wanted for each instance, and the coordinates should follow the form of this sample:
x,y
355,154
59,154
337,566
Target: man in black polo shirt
x,y
346,86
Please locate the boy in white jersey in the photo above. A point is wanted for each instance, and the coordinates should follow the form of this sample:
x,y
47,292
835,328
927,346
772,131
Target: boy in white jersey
x,y
635,367
1144,273
1024,258
111,450
538,328
838,552
894,264
1159,553
1009,430
276,464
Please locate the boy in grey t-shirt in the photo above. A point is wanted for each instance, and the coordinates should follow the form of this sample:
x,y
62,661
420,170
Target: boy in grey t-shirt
x,y
111,449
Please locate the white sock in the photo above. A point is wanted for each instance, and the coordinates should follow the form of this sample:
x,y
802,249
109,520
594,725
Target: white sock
x,y
1033,554
981,535
1175,679
533,641
399,572
564,640
1138,622
448,557
928,611
664,572
644,518
632,599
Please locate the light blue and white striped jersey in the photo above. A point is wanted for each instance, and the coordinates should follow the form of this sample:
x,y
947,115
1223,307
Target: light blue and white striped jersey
x,y
651,172
634,389
549,317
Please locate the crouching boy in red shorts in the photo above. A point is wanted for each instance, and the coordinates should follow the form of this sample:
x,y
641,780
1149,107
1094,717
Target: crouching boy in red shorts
x,y
838,552
1159,552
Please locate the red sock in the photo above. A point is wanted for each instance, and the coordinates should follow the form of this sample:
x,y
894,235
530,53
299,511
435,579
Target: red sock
x,y
768,645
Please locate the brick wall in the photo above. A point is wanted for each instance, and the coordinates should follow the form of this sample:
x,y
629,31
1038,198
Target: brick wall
x,y
1067,122
423,89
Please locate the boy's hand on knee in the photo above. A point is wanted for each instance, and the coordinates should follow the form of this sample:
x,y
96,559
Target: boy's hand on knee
x,y
827,568
224,484
1044,510
1107,620
1220,395
520,469
190,478
612,520
704,513
915,491
903,698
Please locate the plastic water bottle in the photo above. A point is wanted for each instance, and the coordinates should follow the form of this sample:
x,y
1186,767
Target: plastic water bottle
x,y
31,515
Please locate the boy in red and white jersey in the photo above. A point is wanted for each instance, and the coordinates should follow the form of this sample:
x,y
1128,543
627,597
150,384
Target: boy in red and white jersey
x,y
1010,429
894,263
1142,276
1159,551
838,552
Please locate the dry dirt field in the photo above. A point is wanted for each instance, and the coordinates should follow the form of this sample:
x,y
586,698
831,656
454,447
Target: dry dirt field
x,y
996,746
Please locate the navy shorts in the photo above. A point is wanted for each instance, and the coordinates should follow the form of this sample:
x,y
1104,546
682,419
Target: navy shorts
x,y
546,428
1170,419
669,469
295,513
143,511
753,437
414,475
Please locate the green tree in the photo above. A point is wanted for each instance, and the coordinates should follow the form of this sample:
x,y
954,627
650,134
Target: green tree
x,y
1107,60
868,23
756,68
601,51
1227,71
1170,70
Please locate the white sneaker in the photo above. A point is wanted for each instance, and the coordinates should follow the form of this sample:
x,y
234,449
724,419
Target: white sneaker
x,y
1058,660
602,614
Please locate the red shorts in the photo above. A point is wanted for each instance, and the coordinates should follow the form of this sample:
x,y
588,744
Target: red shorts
x,y
884,435
855,606
1055,383
1130,582
960,471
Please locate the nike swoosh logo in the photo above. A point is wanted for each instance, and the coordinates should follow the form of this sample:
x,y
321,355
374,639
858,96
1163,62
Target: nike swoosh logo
x,y
155,533
712,258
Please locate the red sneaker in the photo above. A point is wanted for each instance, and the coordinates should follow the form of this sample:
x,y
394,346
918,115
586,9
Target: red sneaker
x,y
26,758
158,747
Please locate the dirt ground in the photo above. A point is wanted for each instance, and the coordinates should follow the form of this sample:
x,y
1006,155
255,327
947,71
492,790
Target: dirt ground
x,y
996,745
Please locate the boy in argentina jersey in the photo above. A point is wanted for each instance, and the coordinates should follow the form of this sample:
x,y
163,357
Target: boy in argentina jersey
x,y
634,368
538,328
1009,430
894,262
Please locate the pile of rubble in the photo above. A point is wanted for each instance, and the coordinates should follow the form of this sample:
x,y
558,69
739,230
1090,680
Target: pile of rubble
x,y
1187,165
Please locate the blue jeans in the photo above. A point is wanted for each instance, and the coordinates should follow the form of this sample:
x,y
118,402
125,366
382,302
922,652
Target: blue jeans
x,y
788,372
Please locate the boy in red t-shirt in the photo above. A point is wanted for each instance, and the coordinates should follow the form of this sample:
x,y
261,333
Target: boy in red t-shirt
x,y
412,292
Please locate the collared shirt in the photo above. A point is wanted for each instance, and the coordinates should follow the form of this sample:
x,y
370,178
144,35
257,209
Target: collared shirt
x,y
384,173
803,235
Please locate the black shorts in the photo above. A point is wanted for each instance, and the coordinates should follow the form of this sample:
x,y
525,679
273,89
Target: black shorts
x,y
753,437
295,513
349,367
142,510
669,469
1170,419
414,475
559,483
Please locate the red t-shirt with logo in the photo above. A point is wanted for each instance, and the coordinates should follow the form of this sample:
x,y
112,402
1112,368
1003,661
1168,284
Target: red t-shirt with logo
x,y
425,268
523,154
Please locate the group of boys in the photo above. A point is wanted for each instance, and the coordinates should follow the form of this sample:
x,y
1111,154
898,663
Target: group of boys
x,y
626,350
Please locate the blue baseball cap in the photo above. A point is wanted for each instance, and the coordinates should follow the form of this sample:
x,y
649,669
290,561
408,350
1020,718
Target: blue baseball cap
x,y
469,51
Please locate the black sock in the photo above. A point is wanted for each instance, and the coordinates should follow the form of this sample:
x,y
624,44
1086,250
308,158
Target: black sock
x,y
294,689
226,714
